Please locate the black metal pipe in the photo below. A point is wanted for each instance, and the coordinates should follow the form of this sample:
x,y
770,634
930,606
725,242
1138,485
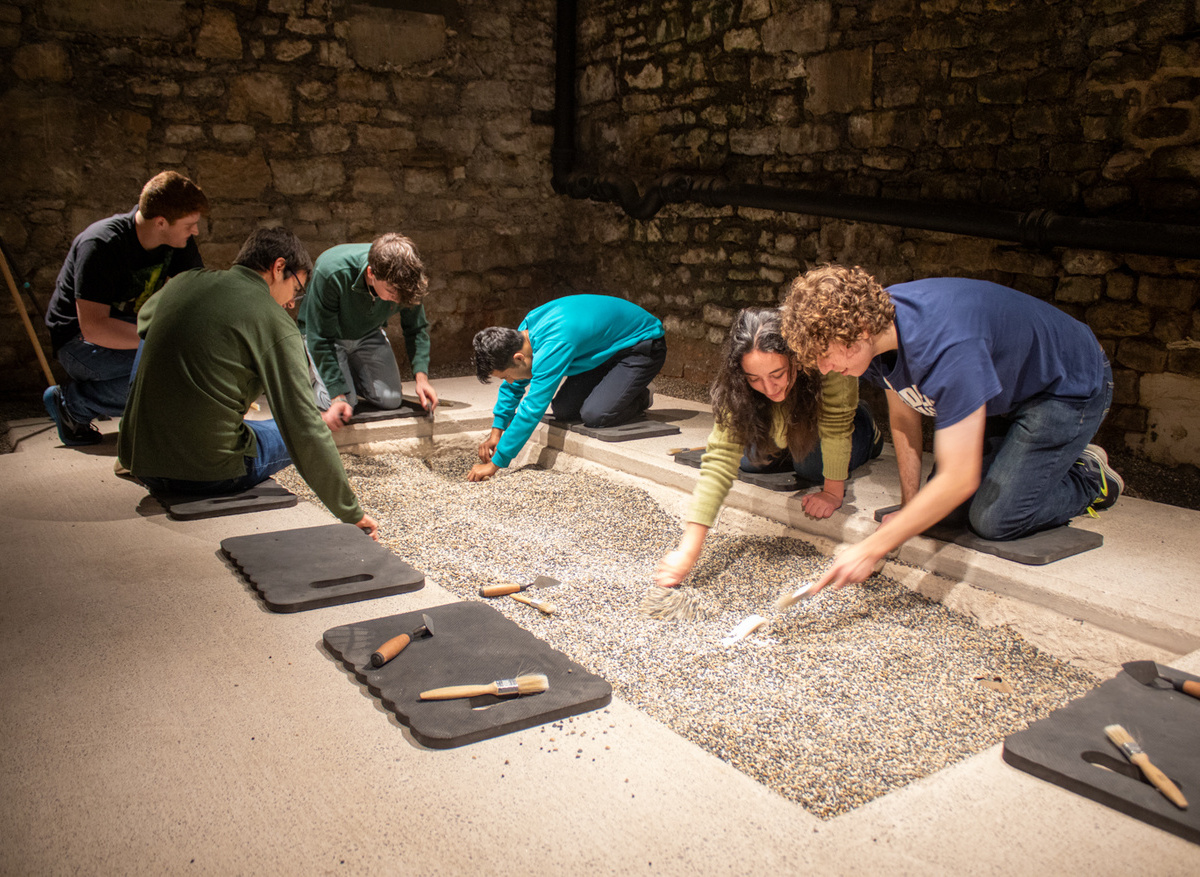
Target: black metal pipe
x,y
1040,228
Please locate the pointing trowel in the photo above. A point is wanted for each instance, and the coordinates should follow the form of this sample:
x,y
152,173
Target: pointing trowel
x,y
1147,673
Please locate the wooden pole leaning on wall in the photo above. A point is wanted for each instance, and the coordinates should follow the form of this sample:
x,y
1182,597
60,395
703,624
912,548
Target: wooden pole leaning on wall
x,y
20,305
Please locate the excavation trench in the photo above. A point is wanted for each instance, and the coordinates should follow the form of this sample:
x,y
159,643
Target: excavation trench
x,y
834,703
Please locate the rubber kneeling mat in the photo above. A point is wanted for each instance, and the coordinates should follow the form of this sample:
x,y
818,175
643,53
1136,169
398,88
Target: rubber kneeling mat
x,y
364,412
312,567
264,496
782,482
1070,749
472,643
1034,550
635,429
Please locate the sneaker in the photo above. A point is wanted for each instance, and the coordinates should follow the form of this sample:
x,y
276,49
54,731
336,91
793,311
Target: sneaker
x,y
70,432
1095,461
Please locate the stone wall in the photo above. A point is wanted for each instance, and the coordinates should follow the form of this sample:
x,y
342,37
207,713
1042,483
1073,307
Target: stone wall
x,y
1086,109
340,120
346,119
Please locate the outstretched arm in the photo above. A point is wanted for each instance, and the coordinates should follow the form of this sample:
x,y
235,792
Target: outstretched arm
x,y
958,451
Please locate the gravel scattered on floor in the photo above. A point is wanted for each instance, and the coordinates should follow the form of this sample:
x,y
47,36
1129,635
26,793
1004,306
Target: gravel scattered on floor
x,y
839,700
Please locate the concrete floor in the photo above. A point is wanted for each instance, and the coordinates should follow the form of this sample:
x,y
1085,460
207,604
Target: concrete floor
x,y
157,719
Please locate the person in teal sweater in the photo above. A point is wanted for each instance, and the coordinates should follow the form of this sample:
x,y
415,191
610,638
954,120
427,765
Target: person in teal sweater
x,y
607,349
355,289
781,418
213,342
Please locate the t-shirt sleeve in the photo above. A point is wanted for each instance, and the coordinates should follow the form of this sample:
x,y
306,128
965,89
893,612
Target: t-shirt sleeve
x,y
96,271
961,381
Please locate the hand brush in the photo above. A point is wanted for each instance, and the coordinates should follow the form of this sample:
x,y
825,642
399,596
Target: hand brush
x,y
531,684
1124,741
672,604
543,606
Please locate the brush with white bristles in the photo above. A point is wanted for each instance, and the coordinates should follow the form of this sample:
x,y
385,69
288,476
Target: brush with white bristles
x,y
672,604
1124,741
531,684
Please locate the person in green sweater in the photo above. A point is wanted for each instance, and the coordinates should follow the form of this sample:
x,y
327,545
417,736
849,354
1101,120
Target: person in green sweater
x,y
354,291
213,342
779,417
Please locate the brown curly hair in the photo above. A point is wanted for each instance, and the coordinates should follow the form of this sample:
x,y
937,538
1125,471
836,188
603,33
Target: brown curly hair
x,y
746,413
833,304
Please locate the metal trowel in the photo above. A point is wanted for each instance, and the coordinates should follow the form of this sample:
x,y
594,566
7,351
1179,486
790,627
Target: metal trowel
x,y
396,644
512,588
1147,673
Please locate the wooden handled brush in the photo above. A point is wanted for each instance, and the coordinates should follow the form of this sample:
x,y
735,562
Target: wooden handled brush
x,y
531,684
540,605
1124,741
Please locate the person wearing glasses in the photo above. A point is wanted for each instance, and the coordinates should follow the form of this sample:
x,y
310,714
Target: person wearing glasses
x,y
213,342
355,290
112,268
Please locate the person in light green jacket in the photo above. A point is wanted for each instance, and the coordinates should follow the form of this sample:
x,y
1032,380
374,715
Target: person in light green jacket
x,y
772,416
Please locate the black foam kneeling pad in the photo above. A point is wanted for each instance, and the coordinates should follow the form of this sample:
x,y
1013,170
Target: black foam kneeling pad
x,y
634,429
264,496
1037,549
783,482
1070,749
472,643
312,567
365,412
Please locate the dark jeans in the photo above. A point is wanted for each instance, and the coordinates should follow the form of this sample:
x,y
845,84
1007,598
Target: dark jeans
x,y
272,456
614,392
865,445
1030,480
100,379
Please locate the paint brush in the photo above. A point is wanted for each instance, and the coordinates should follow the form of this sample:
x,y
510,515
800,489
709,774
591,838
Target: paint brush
x,y
1124,741
546,608
792,597
530,684
672,604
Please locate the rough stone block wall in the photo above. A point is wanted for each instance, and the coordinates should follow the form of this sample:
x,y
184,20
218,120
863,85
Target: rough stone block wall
x,y
1083,108
342,120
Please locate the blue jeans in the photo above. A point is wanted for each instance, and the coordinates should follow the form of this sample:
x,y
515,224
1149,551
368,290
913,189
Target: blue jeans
x,y
272,456
1030,480
369,369
613,392
100,379
865,444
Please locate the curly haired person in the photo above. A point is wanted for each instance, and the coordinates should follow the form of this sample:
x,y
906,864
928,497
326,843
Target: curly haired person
x,y
1017,390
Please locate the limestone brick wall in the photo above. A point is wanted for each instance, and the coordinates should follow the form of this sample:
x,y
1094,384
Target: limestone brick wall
x,y
342,120
1084,108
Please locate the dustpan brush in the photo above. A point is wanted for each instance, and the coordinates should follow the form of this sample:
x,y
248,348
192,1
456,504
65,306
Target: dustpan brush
x,y
672,604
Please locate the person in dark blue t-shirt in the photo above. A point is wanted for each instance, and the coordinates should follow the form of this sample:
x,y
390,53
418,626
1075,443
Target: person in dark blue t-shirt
x,y
112,268
1017,390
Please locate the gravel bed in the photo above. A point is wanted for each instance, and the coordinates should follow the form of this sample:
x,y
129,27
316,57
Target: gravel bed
x,y
837,701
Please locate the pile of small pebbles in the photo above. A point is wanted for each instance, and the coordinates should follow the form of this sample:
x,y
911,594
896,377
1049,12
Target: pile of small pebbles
x,y
836,701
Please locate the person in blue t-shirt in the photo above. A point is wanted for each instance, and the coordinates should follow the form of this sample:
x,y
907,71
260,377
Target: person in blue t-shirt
x,y
1017,390
607,349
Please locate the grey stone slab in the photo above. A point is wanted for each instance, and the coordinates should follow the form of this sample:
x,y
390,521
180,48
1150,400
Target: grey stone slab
x,y
473,643
311,567
1035,550
1070,749
264,496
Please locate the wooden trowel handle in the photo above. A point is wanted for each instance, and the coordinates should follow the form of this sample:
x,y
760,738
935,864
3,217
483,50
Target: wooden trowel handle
x,y
389,649
1187,686
498,590
452,691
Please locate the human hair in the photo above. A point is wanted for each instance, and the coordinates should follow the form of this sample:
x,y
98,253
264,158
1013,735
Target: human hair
x,y
171,196
495,348
748,415
833,304
265,245
394,259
